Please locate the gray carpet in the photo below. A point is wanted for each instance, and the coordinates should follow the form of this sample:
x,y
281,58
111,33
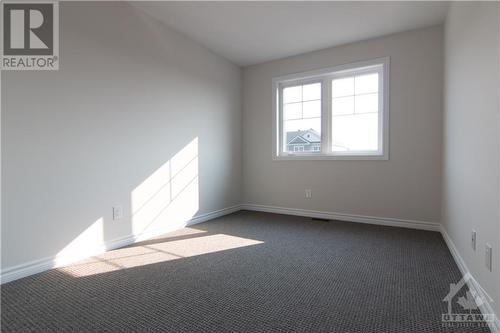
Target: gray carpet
x,y
247,272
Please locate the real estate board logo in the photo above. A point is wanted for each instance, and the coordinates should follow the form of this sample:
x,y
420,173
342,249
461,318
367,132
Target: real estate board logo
x,y
467,312
30,36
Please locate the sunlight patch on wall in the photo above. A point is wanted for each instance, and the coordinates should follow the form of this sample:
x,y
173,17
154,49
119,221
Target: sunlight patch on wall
x,y
170,196
89,242
156,252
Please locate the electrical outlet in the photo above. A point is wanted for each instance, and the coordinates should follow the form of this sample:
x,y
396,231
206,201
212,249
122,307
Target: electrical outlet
x,y
117,212
308,194
473,240
488,257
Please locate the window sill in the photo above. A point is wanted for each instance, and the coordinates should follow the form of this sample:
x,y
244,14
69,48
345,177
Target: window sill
x,y
309,157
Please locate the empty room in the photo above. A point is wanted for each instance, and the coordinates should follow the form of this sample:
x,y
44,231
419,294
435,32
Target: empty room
x,y
250,166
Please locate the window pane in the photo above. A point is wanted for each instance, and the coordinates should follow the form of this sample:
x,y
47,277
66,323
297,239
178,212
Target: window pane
x,y
357,132
292,111
311,91
367,83
302,135
311,109
367,103
302,118
292,94
343,87
343,105
303,125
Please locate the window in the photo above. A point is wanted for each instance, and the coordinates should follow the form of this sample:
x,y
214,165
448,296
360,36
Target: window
x,y
301,116
334,113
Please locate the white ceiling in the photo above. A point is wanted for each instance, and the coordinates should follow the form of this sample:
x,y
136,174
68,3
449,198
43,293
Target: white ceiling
x,y
247,33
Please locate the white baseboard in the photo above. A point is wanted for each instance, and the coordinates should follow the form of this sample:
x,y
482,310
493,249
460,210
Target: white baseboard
x,y
40,265
472,283
393,222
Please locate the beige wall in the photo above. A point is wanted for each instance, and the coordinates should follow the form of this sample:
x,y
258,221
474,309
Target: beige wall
x,y
471,137
130,94
407,186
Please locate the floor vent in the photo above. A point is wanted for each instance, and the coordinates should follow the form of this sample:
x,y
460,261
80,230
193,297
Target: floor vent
x,y
319,219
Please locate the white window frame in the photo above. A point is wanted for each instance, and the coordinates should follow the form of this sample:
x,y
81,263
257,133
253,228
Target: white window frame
x,y
325,76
